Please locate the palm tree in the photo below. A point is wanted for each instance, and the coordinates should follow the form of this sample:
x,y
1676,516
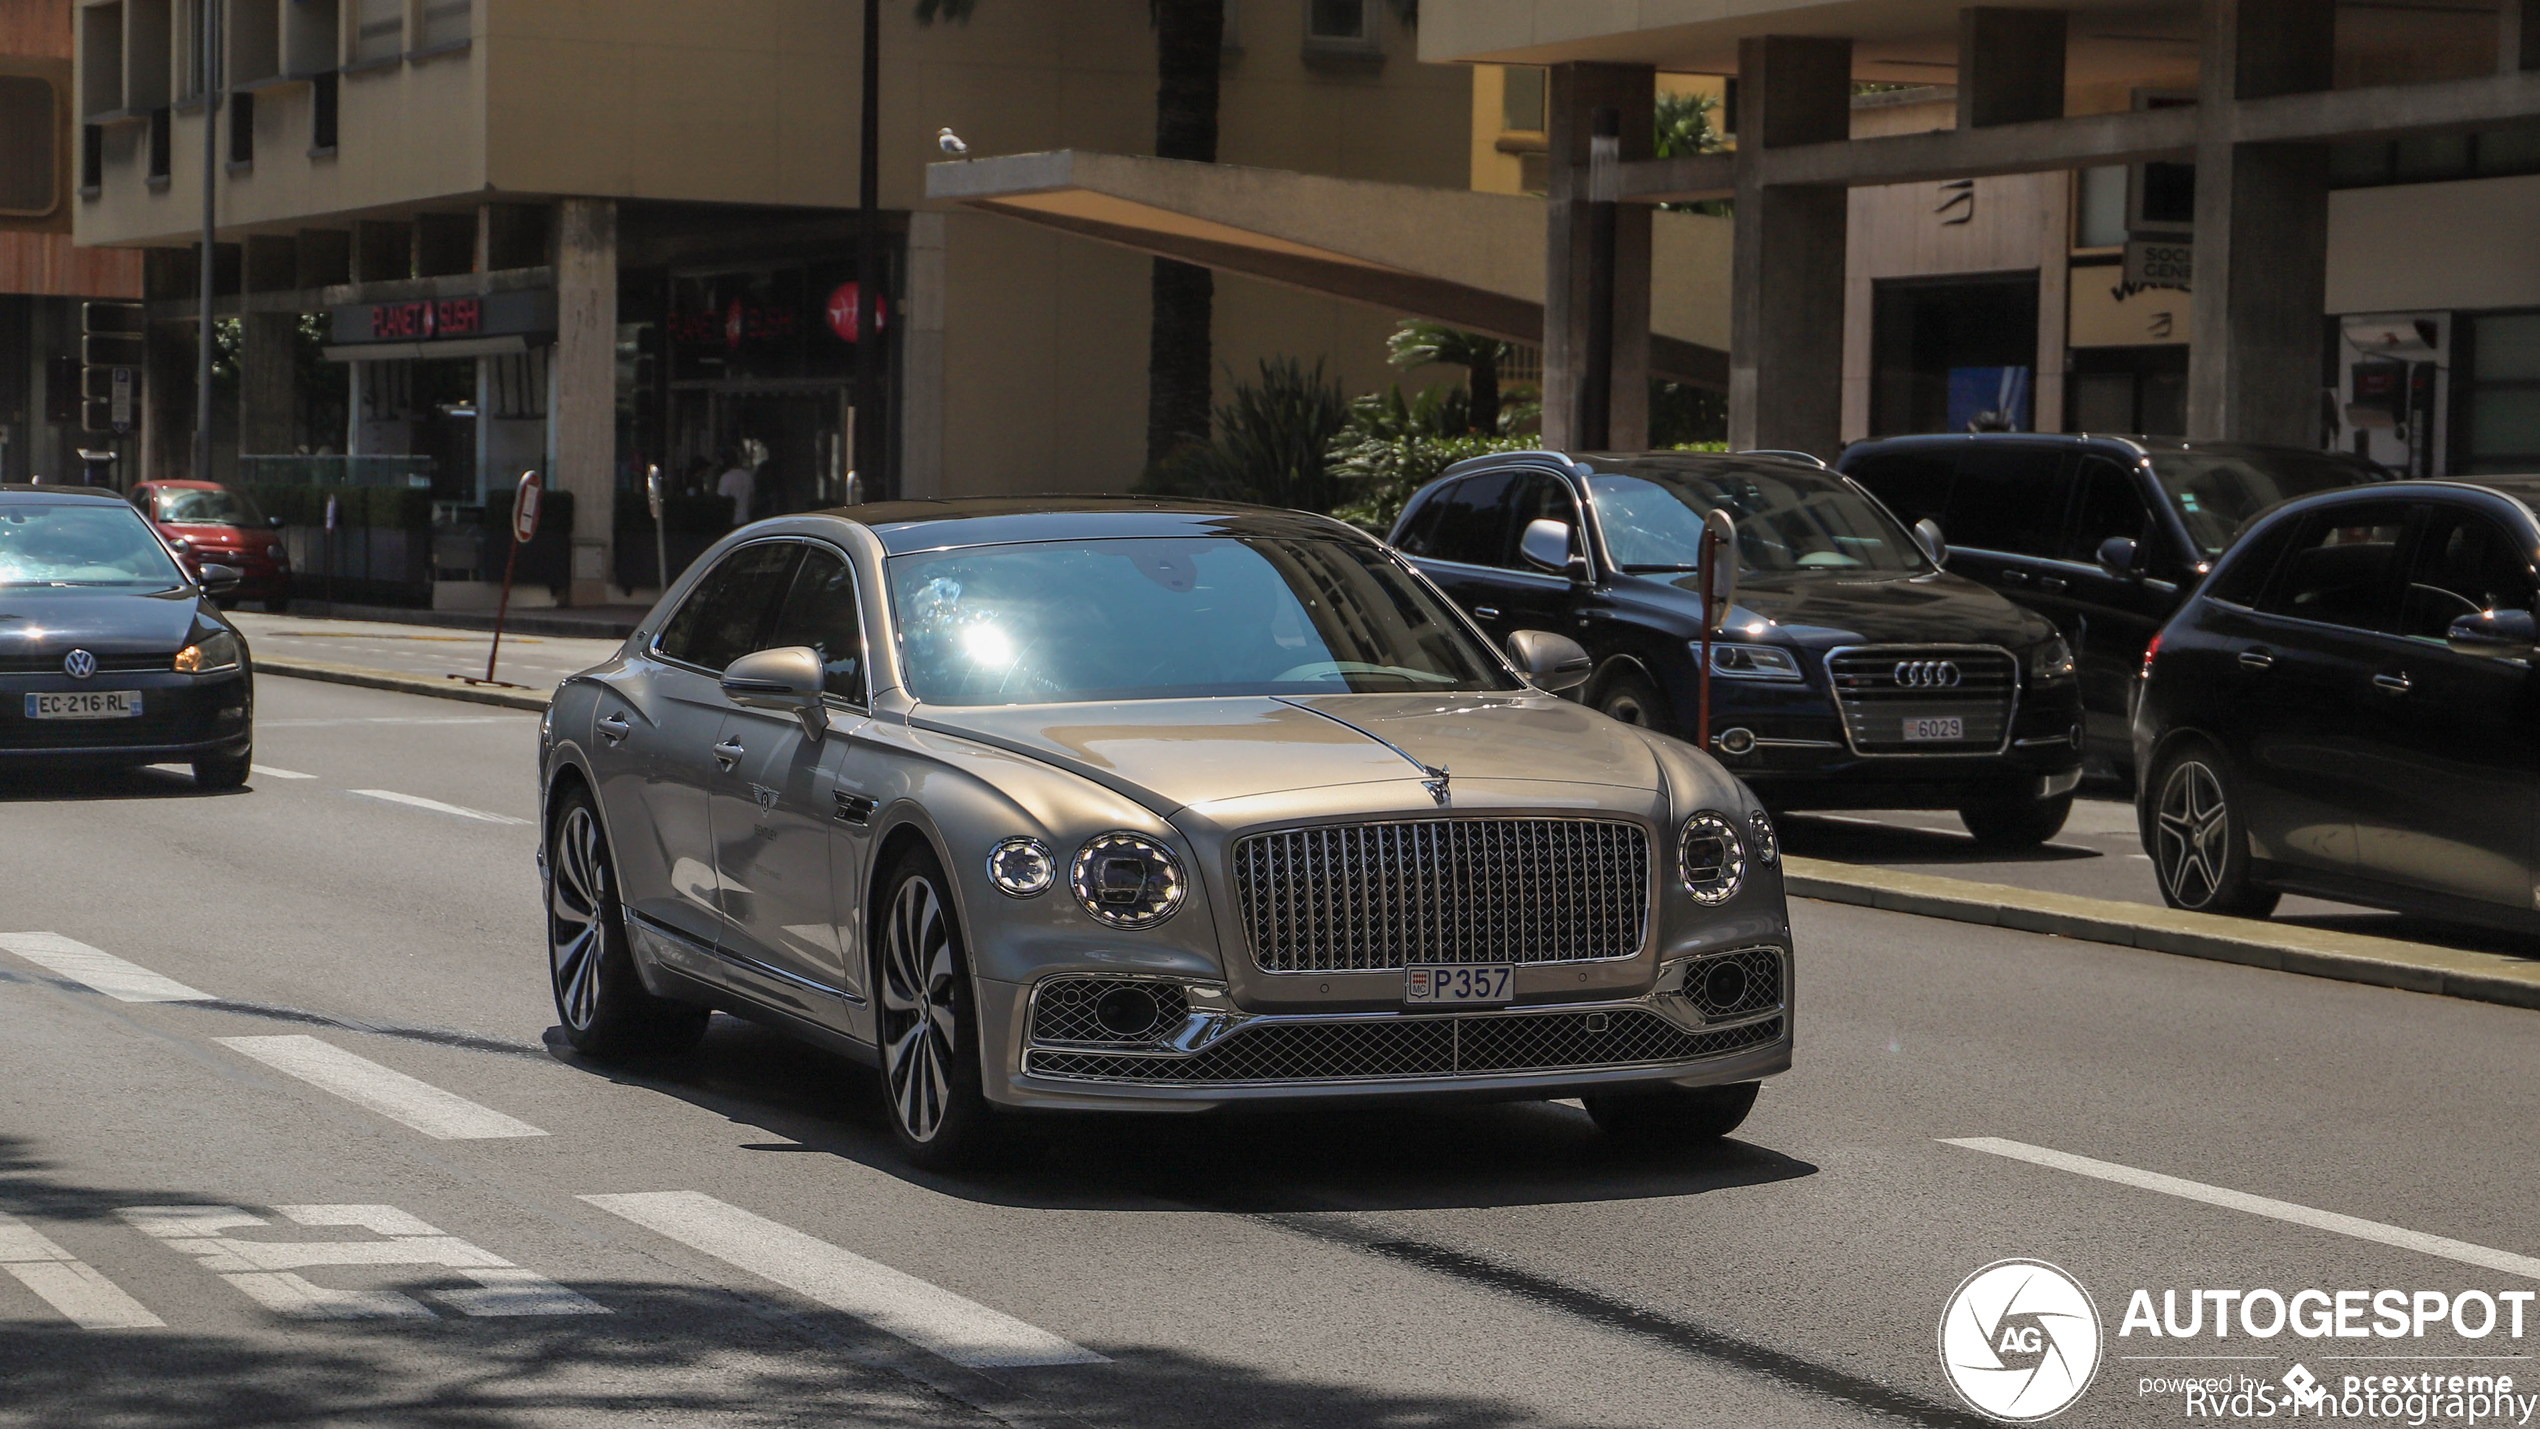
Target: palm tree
x,y
1417,343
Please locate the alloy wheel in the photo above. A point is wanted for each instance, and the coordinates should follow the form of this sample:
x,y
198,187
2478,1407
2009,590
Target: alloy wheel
x,y
919,985
2193,835
577,921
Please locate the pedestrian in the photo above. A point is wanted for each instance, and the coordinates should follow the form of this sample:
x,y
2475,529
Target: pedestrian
x,y
739,486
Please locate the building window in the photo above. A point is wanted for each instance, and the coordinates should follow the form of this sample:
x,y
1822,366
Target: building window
x,y
242,129
2500,403
30,134
381,35
92,158
322,91
1521,99
194,48
2099,210
444,23
1345,20
1952,354
162,125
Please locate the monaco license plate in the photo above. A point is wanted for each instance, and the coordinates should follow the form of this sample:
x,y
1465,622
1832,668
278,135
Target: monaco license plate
x,y
1466,983
1948,727
85,704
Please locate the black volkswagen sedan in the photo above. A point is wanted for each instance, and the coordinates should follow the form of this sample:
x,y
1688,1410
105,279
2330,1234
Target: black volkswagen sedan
x,y
1853,671
109,654
2347,708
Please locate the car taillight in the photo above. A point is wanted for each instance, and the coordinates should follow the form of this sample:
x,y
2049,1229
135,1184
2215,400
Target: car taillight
x,y
2149,651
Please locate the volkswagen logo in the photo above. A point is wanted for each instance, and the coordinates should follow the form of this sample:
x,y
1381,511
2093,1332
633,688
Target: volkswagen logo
x,y
79,664
1927,674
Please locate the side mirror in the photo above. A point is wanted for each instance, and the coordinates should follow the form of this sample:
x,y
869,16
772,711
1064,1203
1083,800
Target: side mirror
x,y
2495,635
219,580
786,680
1550,662
1935,545
2117,556
1546,544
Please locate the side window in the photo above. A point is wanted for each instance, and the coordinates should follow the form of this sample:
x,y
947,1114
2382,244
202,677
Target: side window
x,y
1535,496
1472,524
2337,570
2007,497
721,619
1912,484
2108,503
2245,567
820,611
2464,563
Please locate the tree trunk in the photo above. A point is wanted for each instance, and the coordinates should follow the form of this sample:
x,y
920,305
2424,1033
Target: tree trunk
x,y
1482,378
1189,47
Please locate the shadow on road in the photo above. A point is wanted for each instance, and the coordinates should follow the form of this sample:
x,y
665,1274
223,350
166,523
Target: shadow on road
x,y
21,786
1456,1155
1846,840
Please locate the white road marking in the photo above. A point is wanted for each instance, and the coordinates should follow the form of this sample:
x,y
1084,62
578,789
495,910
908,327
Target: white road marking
x,y
270,772
65,1282
446,1116
329,723
98,970
2345,1225
263,1270
436,806
926,1315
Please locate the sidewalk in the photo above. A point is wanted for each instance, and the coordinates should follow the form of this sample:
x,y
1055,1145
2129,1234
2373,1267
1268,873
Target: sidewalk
x,y
586,622
417,658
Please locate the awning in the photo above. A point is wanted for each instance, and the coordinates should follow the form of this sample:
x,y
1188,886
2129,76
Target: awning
x,y
496,346
1470,260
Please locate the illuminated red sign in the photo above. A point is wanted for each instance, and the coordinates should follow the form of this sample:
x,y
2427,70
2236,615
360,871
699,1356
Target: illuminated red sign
x,y
426,319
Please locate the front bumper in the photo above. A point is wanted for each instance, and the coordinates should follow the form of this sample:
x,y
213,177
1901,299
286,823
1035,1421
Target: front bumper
x,y
184,717
1213,1055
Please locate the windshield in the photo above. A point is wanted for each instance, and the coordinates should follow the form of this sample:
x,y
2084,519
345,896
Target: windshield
x,y
81,545
221,507
1175,617
1653,522
2216,491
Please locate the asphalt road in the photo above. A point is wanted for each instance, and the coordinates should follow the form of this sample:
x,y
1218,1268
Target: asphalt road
x,y
366,1074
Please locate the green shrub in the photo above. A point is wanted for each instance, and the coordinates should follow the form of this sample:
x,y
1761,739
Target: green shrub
x,y
1381,471
1268,443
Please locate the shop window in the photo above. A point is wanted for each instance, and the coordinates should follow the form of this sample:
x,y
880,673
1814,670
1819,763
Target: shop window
x,y
1521,99
30,134
1951,352
2500,397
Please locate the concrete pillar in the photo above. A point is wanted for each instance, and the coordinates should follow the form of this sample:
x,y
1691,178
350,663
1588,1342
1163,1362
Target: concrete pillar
x,y
921,315
2010,66
2261,232
2518,36
167,373
1786,285
1576,92
268,392
582,407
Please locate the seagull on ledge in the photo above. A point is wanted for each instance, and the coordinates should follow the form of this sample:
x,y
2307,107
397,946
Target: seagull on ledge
x,y
950,143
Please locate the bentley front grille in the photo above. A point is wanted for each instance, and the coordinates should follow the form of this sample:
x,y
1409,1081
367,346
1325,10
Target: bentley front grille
x,y
1943,700
1383,1048
1381,896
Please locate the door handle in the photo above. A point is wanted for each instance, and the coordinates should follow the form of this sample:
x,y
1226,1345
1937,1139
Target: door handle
x,y
2257,659
2050,583
614,727
2015,578
2396,684
1486,612
729,752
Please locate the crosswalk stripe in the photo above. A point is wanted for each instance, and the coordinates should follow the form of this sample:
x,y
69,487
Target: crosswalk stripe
x,y
929,1316
417,801
65,1282
446,1116
98,970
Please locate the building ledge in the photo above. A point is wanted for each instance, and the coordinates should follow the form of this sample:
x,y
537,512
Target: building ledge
x,y
434,52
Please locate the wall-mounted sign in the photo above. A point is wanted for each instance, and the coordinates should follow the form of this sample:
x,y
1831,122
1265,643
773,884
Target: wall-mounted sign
x,y
527,314
2160,263
843,315
2107,311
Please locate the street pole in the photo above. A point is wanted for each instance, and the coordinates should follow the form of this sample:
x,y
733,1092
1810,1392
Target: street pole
x,y
866,432
203,280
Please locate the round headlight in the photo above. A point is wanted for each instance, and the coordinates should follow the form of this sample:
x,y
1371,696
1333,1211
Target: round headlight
x,y
1711,858
1022,867
1127,880
1760,836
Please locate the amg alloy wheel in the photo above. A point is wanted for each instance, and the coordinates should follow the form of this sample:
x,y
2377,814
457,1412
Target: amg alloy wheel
x,y
928,1026
2194,836
599,996
1629,698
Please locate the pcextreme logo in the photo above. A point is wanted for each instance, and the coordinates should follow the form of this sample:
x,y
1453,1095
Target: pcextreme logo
x,y
2020,1341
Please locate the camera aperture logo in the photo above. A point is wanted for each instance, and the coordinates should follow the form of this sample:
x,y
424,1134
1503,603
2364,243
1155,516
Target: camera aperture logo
x,y
2020,1341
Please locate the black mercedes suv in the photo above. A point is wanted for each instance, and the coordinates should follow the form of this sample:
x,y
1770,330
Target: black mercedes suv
x,y
1853,672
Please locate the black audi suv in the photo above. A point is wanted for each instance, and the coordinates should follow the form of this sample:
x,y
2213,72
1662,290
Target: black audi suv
x,y
2347,708
1852,672
109,653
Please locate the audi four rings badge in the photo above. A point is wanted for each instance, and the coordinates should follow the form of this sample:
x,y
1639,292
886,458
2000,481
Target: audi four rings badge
x,y
1927,674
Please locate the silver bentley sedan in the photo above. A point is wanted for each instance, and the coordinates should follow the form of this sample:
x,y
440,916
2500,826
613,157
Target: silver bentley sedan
x,y
1086,804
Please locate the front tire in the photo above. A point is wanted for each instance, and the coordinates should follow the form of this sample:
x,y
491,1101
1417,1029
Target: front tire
x,y
600,998
1629,697
928,1022
1673,1116
2198,843
2020,823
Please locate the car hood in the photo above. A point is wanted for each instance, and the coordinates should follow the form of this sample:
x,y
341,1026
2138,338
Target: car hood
x,y
42,622
1173,754
1826,610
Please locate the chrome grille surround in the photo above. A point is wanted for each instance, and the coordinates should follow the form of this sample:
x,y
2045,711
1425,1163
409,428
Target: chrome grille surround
x,y
1381,896
1678,1022
1878,687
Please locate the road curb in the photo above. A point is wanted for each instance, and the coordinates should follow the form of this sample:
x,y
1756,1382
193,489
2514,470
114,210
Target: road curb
x,y
441,689
2312,952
